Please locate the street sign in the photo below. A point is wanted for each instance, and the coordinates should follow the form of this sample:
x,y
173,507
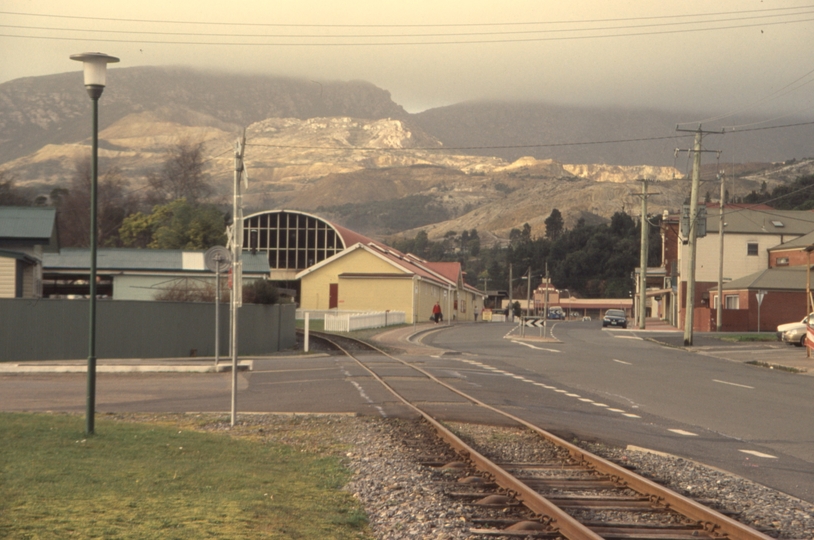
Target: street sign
x,y
534,322
760,295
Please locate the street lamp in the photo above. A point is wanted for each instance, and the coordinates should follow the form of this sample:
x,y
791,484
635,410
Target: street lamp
x,y
95,67
569,302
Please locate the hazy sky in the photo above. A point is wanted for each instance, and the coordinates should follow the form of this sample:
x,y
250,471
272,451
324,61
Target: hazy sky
x,y
710,57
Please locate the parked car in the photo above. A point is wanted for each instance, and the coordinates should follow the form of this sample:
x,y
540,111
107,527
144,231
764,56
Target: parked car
x,y
794,333
615,317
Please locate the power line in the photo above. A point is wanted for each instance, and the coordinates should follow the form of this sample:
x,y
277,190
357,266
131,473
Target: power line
x,y
390,35
443,148
411,43
423,25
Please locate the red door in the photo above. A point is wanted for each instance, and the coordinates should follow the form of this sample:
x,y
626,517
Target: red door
x,y
333,296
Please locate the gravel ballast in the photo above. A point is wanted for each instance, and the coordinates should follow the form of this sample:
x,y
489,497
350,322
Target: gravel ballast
x,y
405,499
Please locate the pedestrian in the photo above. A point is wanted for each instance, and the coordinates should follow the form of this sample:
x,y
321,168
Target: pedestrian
x,y
476,314
436,313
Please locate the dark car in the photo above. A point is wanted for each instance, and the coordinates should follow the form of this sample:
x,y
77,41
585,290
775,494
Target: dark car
x,y
615,317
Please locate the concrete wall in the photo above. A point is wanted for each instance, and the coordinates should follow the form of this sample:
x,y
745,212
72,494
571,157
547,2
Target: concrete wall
x,y
52,329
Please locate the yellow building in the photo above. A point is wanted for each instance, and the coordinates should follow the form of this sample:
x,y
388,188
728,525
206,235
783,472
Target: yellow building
x,y
373,277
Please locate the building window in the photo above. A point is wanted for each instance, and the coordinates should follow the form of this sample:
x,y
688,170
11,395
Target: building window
x,y
751,249
732,301
782,261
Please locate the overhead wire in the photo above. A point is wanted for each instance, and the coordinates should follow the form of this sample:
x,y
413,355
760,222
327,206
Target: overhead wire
x,y
405,25
390,35
716,27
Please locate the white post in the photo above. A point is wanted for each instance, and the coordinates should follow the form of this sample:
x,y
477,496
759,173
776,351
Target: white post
x,y
307,323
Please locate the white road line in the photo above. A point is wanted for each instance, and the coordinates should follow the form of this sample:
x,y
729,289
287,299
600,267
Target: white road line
x,y
616,410
758,454
682,432
734,384
622,362
599,405
561,391
572,395
533,347
630,415
586,400
629,337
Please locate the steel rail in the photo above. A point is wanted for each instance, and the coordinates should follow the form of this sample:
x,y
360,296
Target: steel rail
x,y
713,522
560,521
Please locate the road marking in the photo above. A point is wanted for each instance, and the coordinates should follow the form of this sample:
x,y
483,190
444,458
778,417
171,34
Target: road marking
x,y
545,386
758,454
586,400
629,337
533,347
734,384
572,395
622,362
616,410
631,415
599,405
561,391
682,432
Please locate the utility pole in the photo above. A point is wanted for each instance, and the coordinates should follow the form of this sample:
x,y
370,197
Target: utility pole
x,y
236,243
692,240
645,225
511,286
719,312
545,306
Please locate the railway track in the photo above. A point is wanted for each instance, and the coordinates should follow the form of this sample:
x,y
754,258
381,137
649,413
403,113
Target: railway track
x,y
564,492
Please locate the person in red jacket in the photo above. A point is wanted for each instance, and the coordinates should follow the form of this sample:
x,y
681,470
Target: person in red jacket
x,y
436,313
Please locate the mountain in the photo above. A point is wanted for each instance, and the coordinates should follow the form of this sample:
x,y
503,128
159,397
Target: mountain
x,y
55,109
345,150
572,134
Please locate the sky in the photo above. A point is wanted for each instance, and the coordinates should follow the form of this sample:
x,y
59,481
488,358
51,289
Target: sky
x,y
706,58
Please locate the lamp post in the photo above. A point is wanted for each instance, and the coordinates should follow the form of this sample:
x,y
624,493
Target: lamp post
x,y
95,68
569,303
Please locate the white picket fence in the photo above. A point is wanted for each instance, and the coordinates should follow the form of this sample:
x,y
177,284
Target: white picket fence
x,y
319,314
347,322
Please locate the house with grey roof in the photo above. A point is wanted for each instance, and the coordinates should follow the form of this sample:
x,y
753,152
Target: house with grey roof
x,y
136,274
26,233
751,235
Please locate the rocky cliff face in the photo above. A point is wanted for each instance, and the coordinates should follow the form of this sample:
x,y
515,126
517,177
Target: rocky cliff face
x,y
340,149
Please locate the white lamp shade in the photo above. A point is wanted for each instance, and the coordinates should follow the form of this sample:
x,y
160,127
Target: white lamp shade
x,y
95,65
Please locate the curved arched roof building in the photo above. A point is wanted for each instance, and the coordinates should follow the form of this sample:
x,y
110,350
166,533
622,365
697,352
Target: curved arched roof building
x,y
295,240
331,267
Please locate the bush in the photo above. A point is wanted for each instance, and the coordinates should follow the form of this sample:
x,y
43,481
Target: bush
x,y
261,292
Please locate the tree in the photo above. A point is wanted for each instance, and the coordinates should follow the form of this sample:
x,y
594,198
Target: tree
x,y
114,202
11,195
182,175
554,225
175,225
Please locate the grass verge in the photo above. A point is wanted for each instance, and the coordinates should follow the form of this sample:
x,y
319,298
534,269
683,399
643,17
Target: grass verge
x,y
750,337
161,480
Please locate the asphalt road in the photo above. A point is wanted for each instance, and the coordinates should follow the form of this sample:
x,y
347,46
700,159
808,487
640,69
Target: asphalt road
x,y
608,385
616,386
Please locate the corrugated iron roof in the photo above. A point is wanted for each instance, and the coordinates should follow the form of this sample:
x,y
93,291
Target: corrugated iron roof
x,y
174,260
745,221
786,278
27,222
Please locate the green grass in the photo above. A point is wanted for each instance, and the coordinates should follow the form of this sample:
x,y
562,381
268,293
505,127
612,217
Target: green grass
x,y
137,480
750,337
